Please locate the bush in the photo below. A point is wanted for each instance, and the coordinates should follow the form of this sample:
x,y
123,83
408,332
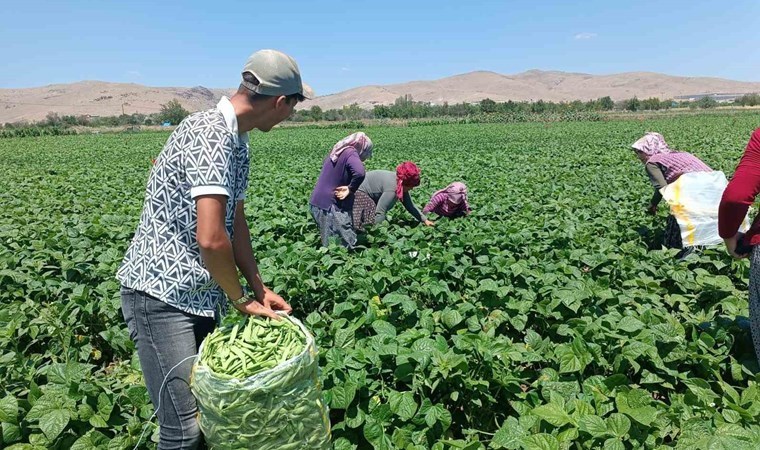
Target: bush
x,y
707,102
173,112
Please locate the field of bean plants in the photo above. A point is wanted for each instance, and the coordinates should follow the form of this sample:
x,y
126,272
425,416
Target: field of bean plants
x,y
548,319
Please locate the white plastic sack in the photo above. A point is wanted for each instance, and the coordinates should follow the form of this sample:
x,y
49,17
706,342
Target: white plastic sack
x,y
277,409
694,199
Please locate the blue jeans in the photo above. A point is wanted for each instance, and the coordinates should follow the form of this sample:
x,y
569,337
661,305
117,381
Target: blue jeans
x,y
164,336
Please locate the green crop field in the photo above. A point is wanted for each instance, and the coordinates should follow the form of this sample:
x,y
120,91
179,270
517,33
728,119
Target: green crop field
x,y
548,319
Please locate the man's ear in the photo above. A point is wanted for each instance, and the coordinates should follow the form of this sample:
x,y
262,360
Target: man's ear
x,y
280,102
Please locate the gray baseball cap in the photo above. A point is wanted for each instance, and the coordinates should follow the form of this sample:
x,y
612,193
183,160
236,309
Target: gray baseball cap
x,y
277,74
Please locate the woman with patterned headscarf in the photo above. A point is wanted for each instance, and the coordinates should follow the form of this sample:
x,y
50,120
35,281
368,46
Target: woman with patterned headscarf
x,y
332,200
450,201
664,166
380,191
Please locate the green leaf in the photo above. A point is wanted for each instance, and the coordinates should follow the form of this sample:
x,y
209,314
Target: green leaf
x,y
553,414
613,444
384,329
121,442
25,447
344,338
105,406
54,422
92,440
339,444
39,440
541,441
630,324
403,404
593,425
702,390
735,431
382,413
582,408
84,411
401,438
375,434
731,416
573,357
41,407
9,409
451,318
438,414
635,404
509,435
97,421
343,395
11,433
354,417
568,436
138,395
618,424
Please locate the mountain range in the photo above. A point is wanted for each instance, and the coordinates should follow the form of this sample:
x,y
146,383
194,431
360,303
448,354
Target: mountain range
x,y
99,98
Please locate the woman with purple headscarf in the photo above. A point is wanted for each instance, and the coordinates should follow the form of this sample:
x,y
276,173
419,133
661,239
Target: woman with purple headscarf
x,y
332,200
664,166
450,201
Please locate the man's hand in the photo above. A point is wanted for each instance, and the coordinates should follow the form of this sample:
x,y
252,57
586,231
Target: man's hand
x,y
731,244
341,192
429,223
254,308
652,210
274,302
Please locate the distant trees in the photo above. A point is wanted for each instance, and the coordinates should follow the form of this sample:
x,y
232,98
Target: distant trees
x,y
748,100
173,112
651,104
632,104
316,113
487,105
404,107
707,102
606,103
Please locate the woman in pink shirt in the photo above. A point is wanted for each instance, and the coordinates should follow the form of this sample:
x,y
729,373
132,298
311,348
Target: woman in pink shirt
x,y
665,166
450,201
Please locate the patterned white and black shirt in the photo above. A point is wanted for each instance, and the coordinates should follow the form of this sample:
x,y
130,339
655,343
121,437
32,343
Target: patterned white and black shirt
x,y
204,155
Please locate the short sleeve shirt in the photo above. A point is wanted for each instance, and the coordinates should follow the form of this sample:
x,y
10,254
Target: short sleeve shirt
x,y
205,155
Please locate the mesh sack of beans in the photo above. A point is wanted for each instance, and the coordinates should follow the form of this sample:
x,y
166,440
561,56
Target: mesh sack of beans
x,y
256,384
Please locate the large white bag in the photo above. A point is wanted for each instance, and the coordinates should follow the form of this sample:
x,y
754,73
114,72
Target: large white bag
x,y
277,409
694,199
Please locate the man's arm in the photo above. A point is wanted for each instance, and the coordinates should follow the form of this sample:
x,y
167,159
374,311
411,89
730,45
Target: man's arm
x,y
215,245
246,262
218,253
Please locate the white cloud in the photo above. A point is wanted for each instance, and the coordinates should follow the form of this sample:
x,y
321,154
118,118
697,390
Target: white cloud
x,y
585,35
134,73
345,69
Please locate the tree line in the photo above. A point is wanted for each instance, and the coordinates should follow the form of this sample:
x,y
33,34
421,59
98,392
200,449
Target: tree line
x,y
404,107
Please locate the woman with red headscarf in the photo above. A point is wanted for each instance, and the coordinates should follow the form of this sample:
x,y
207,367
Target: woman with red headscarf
x,y
381,189
737,198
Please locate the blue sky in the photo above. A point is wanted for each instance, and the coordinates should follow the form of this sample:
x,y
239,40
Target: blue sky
x,y
342,44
